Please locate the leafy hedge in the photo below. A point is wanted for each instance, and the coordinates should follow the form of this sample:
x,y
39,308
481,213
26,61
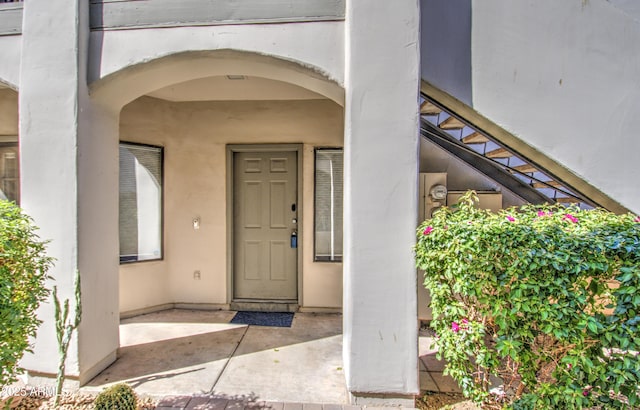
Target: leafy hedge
x,y
23,272
535,307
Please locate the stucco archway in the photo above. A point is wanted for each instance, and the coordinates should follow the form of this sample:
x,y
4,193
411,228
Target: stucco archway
x,y
130,82
130,93
7,84
194,163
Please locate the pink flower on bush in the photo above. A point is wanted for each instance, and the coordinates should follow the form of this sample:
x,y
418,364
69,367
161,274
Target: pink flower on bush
x,y
637,219
570,218
427,230
544,213
511,218
464,324
455,327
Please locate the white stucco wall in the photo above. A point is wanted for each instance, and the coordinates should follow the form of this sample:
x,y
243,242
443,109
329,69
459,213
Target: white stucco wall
x,y
380,203
564,76
317,46
10,48
194,136
631,7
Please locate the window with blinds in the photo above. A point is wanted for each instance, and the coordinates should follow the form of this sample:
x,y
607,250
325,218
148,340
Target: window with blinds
x,y
140,217
9,172
328,204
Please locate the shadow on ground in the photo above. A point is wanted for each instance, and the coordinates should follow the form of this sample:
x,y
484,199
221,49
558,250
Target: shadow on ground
x,y
182,353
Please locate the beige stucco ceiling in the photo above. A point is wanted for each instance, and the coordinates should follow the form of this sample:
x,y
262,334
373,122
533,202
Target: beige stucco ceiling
x,y
221,88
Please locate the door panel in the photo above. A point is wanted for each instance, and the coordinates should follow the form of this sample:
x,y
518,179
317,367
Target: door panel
x,y
251,260
251,204
278,209
278,258
265,188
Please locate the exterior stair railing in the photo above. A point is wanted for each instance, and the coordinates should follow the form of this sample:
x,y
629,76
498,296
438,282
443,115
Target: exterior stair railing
x,y
481,150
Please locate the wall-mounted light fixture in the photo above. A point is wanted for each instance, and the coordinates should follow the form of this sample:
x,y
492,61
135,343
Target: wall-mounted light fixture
x,y
196,223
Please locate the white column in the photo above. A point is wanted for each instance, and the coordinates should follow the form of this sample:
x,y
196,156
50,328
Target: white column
x,y
98,252
380,203
48,139
69,181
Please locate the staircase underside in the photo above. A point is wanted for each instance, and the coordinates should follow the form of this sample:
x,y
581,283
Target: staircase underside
x,y
503,157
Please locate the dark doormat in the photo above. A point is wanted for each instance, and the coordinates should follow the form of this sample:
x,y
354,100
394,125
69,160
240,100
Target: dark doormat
x,y
276,319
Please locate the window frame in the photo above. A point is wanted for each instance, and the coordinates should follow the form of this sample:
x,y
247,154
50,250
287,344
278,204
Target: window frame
x,y
17,179
162,207
315,188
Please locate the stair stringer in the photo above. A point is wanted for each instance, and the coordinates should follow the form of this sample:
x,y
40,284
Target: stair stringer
x,y
543,162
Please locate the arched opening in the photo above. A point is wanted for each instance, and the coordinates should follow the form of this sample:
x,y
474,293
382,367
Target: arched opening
x,y
132,81
188,126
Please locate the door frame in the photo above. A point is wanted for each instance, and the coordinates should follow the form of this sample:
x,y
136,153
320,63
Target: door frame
x,y
231,150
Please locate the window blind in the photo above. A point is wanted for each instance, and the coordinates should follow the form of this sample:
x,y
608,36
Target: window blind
x,y
140,207
328,204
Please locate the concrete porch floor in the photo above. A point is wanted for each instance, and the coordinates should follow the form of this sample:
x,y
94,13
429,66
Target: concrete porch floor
x,y
431,369
189,352
189,356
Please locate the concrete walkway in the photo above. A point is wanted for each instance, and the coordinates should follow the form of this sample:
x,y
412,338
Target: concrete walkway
x,y
193,359
222,403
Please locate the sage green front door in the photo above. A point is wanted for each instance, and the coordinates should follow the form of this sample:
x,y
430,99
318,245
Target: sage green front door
x,y
265,212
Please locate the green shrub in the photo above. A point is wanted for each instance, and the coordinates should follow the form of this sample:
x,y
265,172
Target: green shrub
x,y
23,272
117,397
544,300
